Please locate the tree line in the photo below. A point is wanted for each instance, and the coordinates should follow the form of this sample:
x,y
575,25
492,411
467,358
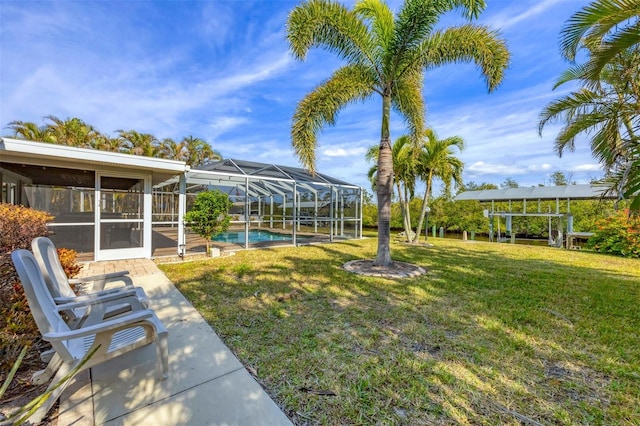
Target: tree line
x,y
75,132
458,216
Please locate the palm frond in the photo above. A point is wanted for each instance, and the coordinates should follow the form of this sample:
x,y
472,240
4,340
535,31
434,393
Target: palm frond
x,y
468,43
409,102
329,25
568,106
372,153
380,18
623,40
595,21
320,107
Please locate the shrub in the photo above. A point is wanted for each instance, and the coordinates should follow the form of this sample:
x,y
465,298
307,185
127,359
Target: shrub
x,y
68,262
18,226
618,234
209,215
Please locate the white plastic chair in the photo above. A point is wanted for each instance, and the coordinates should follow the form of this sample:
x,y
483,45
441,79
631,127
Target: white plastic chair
x,y
60,286
112,337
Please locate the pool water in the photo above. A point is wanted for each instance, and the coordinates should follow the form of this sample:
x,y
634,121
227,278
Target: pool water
x,y
255,236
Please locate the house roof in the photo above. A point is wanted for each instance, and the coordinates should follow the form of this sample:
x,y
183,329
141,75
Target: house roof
x,y
572,192
37,152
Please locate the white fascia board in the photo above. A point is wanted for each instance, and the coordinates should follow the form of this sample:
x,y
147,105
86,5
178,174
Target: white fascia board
x,y
43,151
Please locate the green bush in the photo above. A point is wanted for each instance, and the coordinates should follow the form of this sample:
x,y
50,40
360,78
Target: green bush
x,y
618,234
209,215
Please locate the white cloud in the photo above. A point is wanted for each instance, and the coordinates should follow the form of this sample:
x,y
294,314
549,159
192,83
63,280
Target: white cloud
x,y
507,19
587,168
344,152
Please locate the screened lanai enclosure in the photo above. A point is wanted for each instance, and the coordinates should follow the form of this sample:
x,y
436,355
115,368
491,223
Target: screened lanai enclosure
x,y
272,204
109,205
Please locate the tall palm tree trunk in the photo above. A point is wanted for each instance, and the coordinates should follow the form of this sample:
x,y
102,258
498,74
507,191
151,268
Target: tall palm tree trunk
x,y
384,186
425,203
406,214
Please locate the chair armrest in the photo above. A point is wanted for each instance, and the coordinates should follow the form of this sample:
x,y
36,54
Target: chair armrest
x,y
125,321
109,276
98,295
98,282
88,300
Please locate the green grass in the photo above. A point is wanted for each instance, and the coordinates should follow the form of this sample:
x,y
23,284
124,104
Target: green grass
x,y
493,334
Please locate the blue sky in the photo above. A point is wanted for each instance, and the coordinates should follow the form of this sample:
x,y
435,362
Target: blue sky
x,y
221,71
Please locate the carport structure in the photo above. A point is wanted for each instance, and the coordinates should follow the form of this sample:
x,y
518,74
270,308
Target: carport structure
x,y
561,194
285,199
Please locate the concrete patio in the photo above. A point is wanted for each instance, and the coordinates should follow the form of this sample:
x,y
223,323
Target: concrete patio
x,y
207,385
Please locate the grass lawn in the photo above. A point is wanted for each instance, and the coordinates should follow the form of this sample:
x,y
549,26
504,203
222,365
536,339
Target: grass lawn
x,y
493,334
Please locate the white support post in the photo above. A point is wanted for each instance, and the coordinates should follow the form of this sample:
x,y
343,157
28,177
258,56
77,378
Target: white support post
x,y
341,213
331,214
284,210
182,209
362,211
315,213
336,212
295,213
247,217
297,198
271,213
259,213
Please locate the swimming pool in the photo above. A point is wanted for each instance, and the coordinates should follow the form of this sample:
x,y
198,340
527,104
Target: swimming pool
x,y
255,236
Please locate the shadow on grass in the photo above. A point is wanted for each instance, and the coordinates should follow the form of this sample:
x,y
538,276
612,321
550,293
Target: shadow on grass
x,y
491,334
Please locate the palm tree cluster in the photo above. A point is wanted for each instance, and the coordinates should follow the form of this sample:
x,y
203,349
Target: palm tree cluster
x,y
424,160
75,132
606,107
384,55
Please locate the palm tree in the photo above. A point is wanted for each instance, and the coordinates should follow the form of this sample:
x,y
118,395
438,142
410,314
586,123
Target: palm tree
x,y
138,143
30,131
198,151
171,150
437,159
388,56
607,106
106,143
403,154
71,132
606,110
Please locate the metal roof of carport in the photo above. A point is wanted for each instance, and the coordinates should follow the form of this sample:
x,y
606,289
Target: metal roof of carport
x,y
572,192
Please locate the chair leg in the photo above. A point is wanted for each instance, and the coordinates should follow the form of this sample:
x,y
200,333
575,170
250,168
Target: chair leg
x,y
41,377
162,348
46,356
